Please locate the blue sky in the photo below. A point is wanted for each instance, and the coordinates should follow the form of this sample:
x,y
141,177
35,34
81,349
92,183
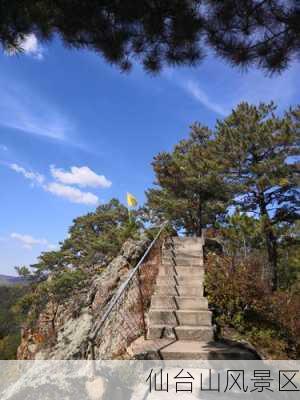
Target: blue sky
x,y
75,132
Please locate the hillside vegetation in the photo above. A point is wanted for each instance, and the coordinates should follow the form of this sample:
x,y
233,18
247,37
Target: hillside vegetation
x,y
244,306
9,320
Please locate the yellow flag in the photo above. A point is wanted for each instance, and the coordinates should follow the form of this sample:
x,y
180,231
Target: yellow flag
x,y
131,200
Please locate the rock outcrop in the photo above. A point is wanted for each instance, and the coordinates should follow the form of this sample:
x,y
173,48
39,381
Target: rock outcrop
x,y
61,331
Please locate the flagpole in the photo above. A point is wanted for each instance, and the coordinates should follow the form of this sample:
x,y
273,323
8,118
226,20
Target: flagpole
x,y
131,202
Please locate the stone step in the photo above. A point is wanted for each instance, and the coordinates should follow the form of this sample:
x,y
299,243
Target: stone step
x,y
179,302
170,265
169,349
182,262
186,290
196,350
181,271
179,280
182,257
182,252
179,317
192,243
192,246
182,332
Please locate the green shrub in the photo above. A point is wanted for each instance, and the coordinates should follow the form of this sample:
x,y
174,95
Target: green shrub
x,y
9,345
10,320
63,283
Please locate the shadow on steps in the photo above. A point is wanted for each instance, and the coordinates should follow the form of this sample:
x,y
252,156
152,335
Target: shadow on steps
x,y
170,349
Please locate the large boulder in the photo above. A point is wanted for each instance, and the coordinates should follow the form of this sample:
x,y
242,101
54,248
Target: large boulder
x,y
62,330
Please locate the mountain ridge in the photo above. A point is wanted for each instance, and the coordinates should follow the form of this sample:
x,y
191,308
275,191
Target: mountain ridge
x,y
9,280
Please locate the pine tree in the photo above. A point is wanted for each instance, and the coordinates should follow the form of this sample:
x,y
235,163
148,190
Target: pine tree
x,y
260,151
94,238
240,234
158,33
191,192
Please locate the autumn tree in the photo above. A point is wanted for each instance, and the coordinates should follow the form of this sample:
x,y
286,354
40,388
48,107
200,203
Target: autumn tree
x,y
259,151
190,191
157,33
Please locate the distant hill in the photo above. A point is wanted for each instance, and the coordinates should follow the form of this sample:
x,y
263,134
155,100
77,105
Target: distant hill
x,y
6,280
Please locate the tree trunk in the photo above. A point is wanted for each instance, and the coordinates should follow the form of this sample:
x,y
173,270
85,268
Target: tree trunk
x,y
272,256
271,242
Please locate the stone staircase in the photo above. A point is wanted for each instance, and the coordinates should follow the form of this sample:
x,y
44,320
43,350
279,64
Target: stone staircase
x,y
178,308
179,321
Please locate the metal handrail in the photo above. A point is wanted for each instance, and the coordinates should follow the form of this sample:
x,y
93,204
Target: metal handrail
x,y
123,287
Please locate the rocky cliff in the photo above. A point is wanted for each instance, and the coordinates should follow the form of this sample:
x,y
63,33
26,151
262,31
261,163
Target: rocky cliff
x,y
61,330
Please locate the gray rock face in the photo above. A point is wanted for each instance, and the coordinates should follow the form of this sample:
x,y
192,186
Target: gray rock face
x,y
62,330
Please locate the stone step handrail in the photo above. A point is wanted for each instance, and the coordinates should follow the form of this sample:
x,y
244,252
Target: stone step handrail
x,y
125,285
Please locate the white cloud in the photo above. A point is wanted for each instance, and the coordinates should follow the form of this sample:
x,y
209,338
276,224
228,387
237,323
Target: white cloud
x,y
85,177
72,194
29,45
3,147
82,176
220,88
24,110
33,176
193,88
28,241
